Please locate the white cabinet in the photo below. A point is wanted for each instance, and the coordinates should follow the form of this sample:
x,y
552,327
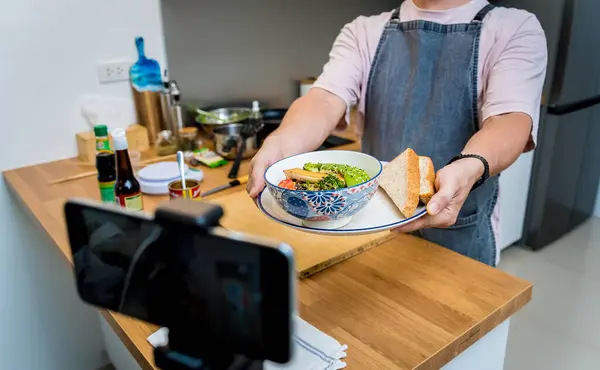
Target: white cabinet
x,y
514,188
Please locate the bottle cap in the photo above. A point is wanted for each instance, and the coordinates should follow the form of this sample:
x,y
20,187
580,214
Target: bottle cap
x,y
119,139
255,106
100,130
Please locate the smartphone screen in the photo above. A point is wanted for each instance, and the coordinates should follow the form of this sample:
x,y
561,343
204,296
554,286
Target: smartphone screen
x,y
234,292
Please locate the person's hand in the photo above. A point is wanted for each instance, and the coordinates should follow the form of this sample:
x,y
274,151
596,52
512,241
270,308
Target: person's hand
x,y
453,184
269,153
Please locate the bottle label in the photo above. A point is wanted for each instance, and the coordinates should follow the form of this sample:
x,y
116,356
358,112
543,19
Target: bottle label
x,y
103,145
133,202
107,191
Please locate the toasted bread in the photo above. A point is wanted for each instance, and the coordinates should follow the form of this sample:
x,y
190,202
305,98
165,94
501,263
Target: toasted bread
x,y
401,181
427,172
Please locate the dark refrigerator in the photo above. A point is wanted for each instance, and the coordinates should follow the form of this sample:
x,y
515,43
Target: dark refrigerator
x,y
566,168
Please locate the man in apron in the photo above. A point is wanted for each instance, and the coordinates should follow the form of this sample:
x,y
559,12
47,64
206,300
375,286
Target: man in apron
x,y
457,80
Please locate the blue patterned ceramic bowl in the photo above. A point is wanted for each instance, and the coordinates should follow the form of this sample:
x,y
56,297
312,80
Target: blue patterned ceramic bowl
x,y
325,209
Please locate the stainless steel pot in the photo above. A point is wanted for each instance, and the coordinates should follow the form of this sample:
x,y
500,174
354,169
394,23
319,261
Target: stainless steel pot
x,y
226,116
228,139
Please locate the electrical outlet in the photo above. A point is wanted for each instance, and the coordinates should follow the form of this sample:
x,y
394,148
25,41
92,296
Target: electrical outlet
x,y
113,71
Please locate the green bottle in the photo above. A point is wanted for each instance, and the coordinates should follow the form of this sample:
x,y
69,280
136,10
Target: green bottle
x,y
105,163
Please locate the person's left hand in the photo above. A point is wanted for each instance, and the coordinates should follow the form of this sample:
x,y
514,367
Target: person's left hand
x,y
453,184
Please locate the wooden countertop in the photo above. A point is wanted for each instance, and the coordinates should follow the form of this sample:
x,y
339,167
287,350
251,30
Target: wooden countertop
x,y
406,304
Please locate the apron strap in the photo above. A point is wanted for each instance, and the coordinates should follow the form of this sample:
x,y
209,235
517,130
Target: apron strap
x,y
482,13
478,17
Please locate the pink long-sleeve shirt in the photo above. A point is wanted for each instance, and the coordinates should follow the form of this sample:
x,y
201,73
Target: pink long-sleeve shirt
x,y
512,61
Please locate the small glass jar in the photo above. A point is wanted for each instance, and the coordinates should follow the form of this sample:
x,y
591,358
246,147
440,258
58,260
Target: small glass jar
x,y
189,139
165,143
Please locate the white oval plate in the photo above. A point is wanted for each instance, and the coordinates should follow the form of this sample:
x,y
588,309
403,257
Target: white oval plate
x,y
379,215
161,172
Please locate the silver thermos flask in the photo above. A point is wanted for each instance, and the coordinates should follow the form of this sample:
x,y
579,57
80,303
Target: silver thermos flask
x,y
165,104
176,111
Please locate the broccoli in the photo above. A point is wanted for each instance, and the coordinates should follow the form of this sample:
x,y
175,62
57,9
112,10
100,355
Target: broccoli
x,y
331,182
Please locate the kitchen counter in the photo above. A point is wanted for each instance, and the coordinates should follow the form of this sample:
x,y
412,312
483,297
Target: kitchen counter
x,y
406,304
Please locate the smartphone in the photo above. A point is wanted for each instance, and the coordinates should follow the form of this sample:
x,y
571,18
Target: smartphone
x,y
228,289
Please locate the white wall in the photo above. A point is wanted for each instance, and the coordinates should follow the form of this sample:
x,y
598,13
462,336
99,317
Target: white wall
x,y
48,56
272,43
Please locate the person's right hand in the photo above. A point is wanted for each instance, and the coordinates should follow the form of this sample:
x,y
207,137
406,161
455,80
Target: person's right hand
x,y
269,153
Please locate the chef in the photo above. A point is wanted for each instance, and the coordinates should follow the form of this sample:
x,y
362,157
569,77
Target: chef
x,y
457,80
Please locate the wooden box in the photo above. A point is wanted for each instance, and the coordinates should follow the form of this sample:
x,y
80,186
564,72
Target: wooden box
x,y
137,139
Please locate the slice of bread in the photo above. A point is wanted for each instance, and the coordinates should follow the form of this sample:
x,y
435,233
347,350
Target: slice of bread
x,y
401,181
427,172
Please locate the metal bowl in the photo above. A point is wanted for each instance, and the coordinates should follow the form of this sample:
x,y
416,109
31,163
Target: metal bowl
x,y
226,115
228,138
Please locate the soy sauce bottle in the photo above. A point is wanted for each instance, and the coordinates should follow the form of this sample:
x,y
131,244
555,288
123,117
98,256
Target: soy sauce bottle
x,y
128,192
105,164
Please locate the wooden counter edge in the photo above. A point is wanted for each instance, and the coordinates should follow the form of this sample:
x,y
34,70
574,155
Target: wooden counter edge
x,y
125,337
344,256
477,331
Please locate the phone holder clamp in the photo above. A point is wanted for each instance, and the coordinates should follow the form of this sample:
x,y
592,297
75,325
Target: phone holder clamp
x,y
187,349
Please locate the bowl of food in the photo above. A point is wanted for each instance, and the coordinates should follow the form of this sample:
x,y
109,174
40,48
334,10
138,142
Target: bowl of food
x,y
324,189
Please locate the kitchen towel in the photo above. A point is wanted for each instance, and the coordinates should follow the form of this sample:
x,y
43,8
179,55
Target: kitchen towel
x,y
313,349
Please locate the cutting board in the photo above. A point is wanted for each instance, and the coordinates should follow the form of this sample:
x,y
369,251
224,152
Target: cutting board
x,y
312,252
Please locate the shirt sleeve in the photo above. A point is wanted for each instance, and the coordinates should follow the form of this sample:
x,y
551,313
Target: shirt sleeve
x,y
516,80
343,73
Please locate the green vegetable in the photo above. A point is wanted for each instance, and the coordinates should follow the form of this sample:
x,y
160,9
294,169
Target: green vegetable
x,y
331,182
352,175
308,186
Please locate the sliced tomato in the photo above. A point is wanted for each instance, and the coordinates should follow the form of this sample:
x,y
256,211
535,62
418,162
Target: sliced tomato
x,y
287,184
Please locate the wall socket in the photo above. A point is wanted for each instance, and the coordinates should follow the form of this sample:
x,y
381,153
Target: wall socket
x,y
114,71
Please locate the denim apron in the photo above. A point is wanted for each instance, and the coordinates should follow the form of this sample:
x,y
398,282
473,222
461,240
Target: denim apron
x,y
422,94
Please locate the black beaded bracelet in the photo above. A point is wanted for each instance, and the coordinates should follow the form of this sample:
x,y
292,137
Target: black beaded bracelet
x,y
486,168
